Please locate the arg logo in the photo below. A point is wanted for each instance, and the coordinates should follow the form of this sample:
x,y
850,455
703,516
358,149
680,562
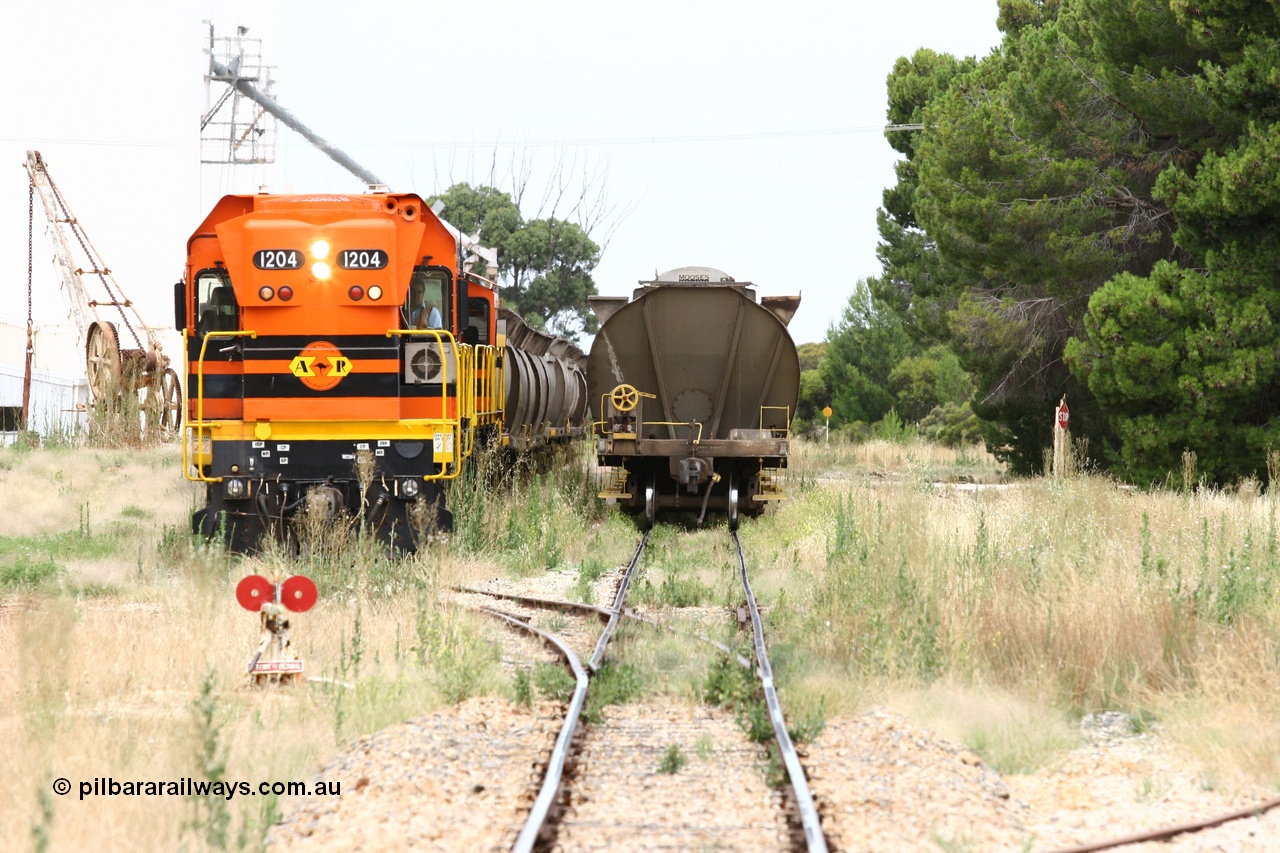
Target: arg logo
x,y
320,365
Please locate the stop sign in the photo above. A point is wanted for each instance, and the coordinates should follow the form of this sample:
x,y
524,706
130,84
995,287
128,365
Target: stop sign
x,y
1063,416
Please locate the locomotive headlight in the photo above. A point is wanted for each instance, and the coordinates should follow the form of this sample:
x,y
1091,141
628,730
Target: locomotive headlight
x,y
321,271
409,488
320,249
375,292
234,488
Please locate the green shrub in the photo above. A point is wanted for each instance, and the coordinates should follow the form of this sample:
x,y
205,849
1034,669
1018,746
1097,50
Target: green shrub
x,y
554,681
951,424
672,760
613,684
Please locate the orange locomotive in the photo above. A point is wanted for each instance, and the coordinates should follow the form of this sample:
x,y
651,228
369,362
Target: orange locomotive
x,y
338,356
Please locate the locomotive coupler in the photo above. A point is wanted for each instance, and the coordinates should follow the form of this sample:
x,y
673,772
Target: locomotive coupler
x,y
692,472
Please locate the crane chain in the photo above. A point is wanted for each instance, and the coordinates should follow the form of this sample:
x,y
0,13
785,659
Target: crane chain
x,y
31,225
31,335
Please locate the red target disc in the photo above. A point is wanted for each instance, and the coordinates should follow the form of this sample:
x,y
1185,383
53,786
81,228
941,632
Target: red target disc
x,y
255,591
298,593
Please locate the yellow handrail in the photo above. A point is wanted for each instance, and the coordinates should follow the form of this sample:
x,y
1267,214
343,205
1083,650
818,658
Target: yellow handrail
x,y
466,396
440,336
786,431
200,425
677,423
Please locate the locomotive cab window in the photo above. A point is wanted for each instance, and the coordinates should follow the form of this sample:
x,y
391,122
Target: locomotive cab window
x,y
215,303
428,304
477,321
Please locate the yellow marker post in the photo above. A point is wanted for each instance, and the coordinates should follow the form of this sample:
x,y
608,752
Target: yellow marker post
x,y
826,413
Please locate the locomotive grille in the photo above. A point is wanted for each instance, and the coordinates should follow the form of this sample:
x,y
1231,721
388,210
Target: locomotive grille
x,y
424,365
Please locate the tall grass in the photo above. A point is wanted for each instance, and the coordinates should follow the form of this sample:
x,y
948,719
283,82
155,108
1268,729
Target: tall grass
x,y
530,510
1002,612
902,457
126,648
680,569
1075,593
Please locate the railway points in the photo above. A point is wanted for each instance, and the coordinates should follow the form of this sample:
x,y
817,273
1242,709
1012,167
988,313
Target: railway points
x,y
573,779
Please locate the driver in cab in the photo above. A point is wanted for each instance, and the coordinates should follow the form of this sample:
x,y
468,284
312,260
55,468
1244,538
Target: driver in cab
x,y
420,313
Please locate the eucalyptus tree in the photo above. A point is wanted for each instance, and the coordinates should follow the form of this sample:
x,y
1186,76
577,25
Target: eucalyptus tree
x,y
544,264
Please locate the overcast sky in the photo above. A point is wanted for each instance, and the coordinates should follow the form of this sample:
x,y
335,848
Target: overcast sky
x,y
739,135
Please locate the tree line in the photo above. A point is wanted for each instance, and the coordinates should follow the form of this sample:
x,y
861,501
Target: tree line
x,y
544,263
1089,212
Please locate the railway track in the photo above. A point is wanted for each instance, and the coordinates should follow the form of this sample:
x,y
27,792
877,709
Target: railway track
x,y
607,760
809,819
465,778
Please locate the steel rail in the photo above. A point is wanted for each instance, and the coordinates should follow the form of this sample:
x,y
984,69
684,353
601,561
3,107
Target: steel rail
x,y
560,752
546,603
616,611
1170,832
555,764
809,819
602,612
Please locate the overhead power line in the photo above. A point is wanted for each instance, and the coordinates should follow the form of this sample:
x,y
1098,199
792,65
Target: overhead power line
x,y
658,140
571,142
129,143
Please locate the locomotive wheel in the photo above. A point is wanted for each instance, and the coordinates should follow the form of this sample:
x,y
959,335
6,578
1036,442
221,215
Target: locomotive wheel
x,y
170,403
102,360
624,397
650,501
733,502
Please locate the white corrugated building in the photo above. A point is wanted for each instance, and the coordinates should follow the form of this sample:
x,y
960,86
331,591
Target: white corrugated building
x,y
59,390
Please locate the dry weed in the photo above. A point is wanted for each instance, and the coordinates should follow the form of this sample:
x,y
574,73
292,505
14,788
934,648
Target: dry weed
x,y
107,656
1079,594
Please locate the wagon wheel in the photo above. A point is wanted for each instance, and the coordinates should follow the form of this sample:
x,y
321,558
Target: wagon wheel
x,y
102,360
170,403
650,500
624,397
733,501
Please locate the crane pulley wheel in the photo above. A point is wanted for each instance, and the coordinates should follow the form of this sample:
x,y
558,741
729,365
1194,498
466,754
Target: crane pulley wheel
x,y
624,397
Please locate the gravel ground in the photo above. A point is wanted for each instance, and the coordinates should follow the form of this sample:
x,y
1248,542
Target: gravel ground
x,y
1120,784
464,778
885,784
716,800
456,780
